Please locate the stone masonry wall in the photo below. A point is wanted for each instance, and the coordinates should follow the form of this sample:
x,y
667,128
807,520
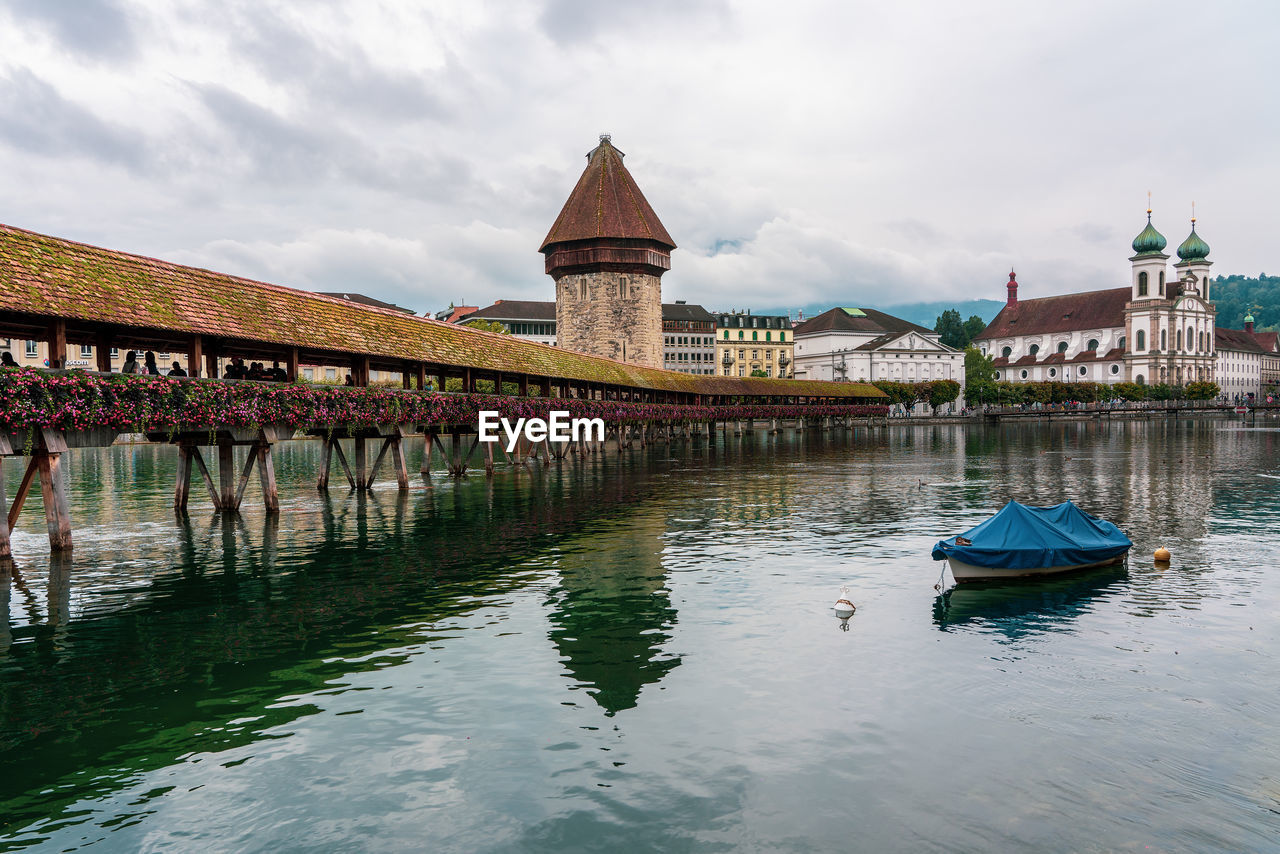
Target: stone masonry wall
x,y
618,315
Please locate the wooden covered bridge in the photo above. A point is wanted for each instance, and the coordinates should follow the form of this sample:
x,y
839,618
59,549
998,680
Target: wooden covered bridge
x,y
67,293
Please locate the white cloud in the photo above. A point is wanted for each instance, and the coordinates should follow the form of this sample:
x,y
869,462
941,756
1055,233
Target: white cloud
x,y
798,153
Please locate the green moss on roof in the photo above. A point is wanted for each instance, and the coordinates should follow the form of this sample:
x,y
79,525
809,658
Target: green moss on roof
x,y
51,277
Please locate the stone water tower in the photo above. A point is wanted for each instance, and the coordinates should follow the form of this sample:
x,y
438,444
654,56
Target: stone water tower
x,y
607,252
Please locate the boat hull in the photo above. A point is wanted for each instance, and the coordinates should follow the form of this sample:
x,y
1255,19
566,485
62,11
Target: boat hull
x,y
962,571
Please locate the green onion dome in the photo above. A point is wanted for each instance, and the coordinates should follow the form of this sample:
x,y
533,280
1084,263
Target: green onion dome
x,y
1150,241
1248,318
1193,248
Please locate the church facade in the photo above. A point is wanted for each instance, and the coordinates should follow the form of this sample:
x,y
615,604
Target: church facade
x,y
1158,329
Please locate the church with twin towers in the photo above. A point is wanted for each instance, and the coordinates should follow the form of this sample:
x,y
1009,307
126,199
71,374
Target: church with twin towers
x,y
1158,329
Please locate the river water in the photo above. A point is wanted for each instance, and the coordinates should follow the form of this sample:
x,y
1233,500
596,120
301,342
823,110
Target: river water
x,y
639,654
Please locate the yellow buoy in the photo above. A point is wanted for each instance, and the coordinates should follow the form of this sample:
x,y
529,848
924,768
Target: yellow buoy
x,y
1162,555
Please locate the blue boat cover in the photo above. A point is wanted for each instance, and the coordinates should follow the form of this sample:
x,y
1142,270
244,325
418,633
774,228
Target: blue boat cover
x,y
1022,537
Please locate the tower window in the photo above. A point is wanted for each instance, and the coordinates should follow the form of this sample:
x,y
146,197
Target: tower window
x,y
582,288
1033,349
1093,344
1142,340
1062,346
1142,284
1162,283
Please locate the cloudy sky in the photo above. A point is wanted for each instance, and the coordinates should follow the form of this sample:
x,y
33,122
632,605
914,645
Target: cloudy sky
x,y
801,153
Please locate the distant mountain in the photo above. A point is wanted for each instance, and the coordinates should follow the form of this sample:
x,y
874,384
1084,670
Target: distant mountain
x,y
924,313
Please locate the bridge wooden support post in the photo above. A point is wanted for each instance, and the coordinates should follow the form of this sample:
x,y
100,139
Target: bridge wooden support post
x,y
226,477
398,462
488,459
360,457
428,441
332,448
6,554
53,488
267,476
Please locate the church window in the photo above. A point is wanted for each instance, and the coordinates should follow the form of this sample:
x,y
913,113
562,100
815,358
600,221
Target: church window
x,y
1191,339
1053,372
1034,349
1162,283
1142,284
1006,352
1083,370
1093,344
1062,346
1179,339
1142,340
1163,345
1024,374
1140,379
1115,369
1120,343
1200,339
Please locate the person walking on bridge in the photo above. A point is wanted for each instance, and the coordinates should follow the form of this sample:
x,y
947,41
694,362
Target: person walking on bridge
x,y
131,365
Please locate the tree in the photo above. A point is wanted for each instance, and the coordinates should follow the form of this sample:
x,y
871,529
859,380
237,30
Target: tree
x,y
898,393
758,373
1202,390
941,392
978,373
488,326
951,329
1130,391
973,328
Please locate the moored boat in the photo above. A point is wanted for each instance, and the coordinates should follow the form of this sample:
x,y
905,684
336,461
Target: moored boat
x,y
1022,541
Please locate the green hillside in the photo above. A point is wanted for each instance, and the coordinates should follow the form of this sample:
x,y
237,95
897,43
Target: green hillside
x,y
1236,296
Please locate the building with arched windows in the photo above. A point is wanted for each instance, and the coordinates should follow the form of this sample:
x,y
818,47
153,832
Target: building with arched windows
x,y
1158,329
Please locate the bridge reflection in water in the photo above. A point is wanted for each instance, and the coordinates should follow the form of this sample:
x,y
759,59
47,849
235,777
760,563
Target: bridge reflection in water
x,y
110,681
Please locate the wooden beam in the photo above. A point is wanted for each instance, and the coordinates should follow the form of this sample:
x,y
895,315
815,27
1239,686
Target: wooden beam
x,y
211,362
226,477
342,458
326,459
362,462
422,376
250,459
58,347
267,477
195,355
398,462
53,486
23,488
208,481
291,365
102,350
377,462
5,554
182,485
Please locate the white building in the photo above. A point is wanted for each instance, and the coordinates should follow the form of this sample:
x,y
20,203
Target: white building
x,y
1239,368
1159,329
865,344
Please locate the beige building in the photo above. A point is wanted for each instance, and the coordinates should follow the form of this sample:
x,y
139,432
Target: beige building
x,y
746,343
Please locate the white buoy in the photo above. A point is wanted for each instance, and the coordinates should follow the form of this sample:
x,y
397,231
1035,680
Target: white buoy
x,y
844,608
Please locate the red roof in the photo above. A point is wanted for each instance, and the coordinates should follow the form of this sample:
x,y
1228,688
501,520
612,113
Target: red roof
x,y
93,289
1267,341
1235,339
460,311
606,203
1065,313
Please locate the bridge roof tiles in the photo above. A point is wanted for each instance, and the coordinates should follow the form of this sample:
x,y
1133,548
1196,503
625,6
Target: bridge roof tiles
x,y
51,277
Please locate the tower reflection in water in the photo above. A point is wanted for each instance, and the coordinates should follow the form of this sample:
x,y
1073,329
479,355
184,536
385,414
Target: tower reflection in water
x,y
611,616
